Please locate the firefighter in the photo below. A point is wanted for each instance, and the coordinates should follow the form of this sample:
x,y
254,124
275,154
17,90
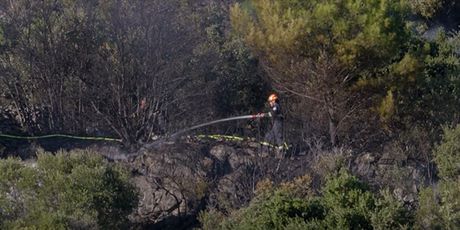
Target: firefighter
x,y
275,135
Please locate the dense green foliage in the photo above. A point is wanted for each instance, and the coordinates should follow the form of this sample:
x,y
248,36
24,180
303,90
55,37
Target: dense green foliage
x,y
318,50
427,8
440,206
434,9
350,31
422,88
75,189
344,62
447,154
345,203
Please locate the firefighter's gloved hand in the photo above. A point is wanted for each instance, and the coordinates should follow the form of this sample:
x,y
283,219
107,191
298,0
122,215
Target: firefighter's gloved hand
x,y
259,115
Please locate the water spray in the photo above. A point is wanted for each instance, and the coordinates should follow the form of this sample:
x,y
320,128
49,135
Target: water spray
x,y
259,115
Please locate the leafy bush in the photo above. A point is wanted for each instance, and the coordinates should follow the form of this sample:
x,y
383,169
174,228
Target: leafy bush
x,y
425,84
210,219
346,203
439,207
349,201
426,8
77,189
273,208
327,162
447,154
390,213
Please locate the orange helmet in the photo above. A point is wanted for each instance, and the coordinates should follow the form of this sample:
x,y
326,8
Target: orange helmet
x,y
272,97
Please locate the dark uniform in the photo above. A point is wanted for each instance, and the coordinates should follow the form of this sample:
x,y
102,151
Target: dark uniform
x,y
275,135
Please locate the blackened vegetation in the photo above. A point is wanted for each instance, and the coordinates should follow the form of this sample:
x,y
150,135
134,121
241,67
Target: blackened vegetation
x,y
130,69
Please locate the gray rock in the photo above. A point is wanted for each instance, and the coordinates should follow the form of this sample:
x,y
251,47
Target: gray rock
x,y
221,152
364,165
171,182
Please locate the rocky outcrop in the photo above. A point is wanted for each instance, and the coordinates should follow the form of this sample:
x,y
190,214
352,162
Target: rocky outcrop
x,y
172,181
178,180
404,177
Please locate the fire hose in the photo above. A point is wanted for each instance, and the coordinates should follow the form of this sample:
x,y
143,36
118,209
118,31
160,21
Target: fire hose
x,y
175,135
259,115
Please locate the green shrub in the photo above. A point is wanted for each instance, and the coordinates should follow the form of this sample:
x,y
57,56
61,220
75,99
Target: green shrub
x,y
349,201
426,8
439,207
210,219
390,213
346,203
290,204
352,205
447,154
67,190
428,216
